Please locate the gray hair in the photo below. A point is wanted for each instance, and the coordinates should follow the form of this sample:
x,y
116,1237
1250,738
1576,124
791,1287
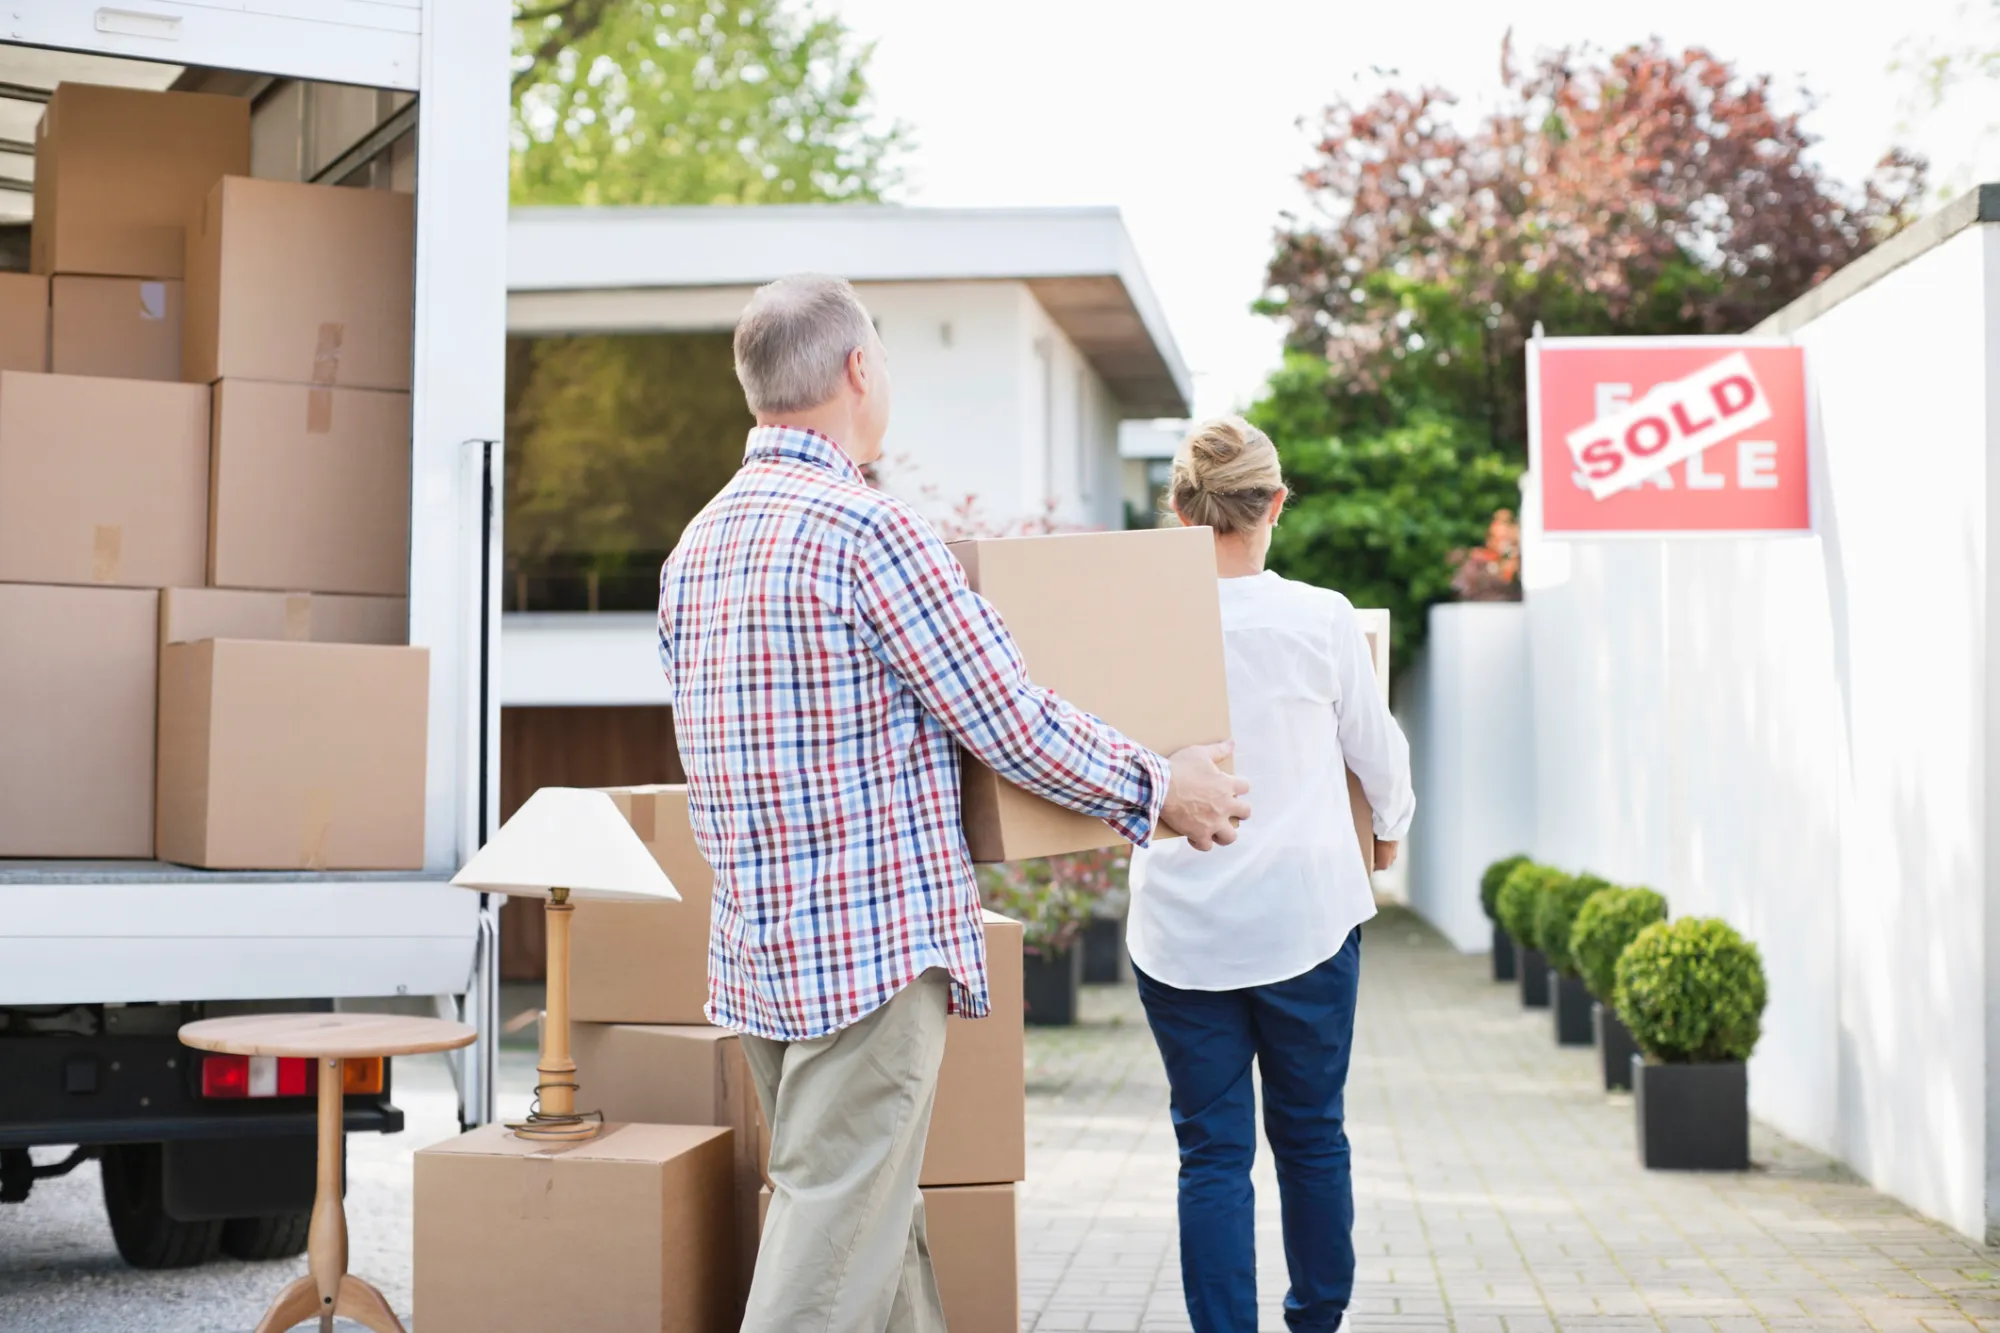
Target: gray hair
x,y
793,340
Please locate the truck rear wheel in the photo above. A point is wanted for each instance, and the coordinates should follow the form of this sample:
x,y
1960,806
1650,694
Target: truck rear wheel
x,y
135,1202
277,1237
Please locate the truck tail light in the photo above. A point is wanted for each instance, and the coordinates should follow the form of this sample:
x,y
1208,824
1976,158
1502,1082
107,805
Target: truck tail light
x,y
240,1076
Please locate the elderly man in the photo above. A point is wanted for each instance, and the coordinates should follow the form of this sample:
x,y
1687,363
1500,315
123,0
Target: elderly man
x,y
827,661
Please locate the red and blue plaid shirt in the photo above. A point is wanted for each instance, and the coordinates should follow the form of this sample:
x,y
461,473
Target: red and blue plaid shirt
x,y
827,660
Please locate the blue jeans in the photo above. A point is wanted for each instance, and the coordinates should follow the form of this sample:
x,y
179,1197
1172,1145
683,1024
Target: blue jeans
x,y
1301,1032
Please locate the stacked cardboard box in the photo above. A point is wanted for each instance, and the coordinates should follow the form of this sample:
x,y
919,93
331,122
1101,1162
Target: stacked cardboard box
x,y
647,1053
126,466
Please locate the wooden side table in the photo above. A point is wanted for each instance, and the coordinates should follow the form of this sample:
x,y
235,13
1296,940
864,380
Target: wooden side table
x,y
328,1289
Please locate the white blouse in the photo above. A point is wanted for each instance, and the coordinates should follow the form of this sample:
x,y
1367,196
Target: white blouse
x,y
1281,899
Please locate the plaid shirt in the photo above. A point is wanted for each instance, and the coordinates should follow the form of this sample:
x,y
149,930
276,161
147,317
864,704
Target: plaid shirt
x,y
827,661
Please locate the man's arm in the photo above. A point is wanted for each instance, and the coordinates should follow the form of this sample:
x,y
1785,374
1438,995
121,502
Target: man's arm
x,y
946,643
1370,740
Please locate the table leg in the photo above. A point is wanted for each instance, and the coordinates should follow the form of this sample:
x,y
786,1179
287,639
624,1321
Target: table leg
x,y
326,1241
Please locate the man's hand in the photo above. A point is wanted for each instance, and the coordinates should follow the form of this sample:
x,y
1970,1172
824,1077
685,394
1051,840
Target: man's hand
x,y
1203,802
1385,854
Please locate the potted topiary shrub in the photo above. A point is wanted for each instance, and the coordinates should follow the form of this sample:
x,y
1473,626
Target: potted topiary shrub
x,y
1555,913
1519,895
1692,992
1054,900
1605,926
1489,903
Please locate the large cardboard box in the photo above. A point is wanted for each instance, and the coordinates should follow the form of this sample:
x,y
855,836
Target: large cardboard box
x,y
311,489
304,284
128,328
974,1239
76,721
188,614
121,173
102,480
626,1232
679,1076
292,756
647,962
1124,625
24,321
979,1122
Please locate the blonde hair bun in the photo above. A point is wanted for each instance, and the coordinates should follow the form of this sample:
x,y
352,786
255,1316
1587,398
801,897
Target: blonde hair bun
x,y
1224,476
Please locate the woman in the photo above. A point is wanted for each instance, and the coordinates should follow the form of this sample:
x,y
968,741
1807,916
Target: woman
x,y
1254,950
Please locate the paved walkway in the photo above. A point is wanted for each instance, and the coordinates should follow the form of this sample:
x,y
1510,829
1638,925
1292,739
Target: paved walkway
x,y
1497,1188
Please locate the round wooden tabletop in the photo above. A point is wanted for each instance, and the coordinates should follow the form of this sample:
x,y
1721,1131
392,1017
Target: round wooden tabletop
x,y
326,1036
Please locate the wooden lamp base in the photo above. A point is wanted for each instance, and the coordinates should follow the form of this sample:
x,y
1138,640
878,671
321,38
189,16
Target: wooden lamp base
x,y
555,1118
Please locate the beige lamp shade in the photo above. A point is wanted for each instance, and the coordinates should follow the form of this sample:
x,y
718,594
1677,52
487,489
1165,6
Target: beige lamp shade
x,y
570,838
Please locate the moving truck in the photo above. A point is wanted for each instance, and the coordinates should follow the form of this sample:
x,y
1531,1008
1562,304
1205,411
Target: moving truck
x,y
101,961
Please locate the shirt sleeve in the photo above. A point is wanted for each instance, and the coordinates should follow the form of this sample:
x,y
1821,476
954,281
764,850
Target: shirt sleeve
x,y
919,617
1369,738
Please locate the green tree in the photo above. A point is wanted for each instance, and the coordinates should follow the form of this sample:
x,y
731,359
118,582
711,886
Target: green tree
x,y
693,102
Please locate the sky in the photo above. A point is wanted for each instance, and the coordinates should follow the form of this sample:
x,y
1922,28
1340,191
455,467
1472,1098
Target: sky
x,y
1187,117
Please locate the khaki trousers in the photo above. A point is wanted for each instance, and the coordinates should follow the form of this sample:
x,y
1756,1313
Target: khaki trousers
x,y
844,1249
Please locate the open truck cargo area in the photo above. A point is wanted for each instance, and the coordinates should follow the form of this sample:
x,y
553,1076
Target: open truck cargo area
x,y
312,209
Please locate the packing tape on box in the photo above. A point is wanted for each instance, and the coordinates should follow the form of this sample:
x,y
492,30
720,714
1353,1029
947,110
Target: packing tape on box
x,y
107,552
319,411
298,617
326,356
538,1171
316,828
152,301
645,815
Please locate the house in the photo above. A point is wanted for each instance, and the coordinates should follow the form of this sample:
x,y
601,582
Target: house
x,y
1019,339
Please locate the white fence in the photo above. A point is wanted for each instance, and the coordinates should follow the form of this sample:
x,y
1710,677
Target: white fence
x,y
1796,734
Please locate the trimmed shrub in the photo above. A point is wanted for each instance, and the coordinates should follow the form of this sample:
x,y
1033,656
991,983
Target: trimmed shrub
x,y
1490,882
1519,895
1607,922
1692,991
1555,913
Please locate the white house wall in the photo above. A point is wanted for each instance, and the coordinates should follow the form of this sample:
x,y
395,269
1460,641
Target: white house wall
x,y
1793,735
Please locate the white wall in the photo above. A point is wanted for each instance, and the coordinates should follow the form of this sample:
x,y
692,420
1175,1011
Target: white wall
x,y
1793,734
1465,705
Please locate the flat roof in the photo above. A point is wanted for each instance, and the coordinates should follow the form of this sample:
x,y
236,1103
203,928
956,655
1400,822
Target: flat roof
x,y
1078,262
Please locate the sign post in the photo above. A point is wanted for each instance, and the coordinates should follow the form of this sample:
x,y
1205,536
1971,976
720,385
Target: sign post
x,y
1660,437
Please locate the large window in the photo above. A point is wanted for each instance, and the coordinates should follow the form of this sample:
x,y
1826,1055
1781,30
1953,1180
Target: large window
x,y
614,441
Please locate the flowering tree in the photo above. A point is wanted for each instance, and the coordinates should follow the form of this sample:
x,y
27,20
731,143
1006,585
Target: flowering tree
x,y
1491,573
1647,191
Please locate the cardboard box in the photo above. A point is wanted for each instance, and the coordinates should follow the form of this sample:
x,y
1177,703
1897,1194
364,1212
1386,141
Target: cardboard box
x,y
647,962
1124,625
189,614
292,756
24,321
979,1122
622,1233
77,694
680,1076
303,284
102,481
311,489
1375,627
128,328
121,173
973,1233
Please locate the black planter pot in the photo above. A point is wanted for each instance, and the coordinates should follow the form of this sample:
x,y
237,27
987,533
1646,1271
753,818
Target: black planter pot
x,y
1533,966
1692,1117
1570,999
1615,1047
1048,986
1503,954
1104,951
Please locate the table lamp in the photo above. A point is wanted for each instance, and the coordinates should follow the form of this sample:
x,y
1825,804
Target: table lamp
x,y
564,843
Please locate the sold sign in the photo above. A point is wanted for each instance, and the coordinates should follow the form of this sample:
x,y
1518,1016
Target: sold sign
x,y
1677,420
1663,436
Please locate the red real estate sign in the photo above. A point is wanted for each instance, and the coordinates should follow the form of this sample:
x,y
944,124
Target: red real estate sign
x,y
1652,436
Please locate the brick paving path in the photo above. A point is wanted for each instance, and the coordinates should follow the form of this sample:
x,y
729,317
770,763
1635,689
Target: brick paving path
x,y
1496,1187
